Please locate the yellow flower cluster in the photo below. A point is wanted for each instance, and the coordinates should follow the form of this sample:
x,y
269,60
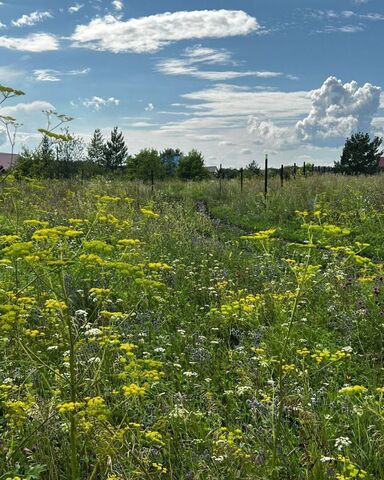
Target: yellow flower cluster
x,y
352,389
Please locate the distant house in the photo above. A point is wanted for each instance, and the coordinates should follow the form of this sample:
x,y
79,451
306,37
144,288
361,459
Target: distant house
x,y
381,162
213,170
6,161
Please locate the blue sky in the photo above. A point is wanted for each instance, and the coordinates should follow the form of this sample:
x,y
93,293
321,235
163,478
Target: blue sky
x,y
234,79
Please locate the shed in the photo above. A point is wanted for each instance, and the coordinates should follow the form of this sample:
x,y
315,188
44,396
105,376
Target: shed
x,y
381,162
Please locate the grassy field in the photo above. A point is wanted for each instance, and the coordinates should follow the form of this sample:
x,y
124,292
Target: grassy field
x,y
189,333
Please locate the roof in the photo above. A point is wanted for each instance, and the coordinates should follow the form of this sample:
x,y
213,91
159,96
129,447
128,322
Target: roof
x,y
6,160
212,169
381,162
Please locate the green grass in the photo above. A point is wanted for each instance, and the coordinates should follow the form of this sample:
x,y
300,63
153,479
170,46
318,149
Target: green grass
x,y
201,354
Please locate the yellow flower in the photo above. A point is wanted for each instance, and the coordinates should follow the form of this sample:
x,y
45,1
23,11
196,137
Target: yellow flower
x,y
149,213
133,390
348,390
52,304
69,406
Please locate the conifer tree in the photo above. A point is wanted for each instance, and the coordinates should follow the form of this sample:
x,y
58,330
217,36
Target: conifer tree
x,y
115,150
96,149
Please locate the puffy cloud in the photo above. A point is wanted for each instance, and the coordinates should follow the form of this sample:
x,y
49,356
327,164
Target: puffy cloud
x,y
149,108
31,19
150,34
97,103
36,42
269,134
50,75
339,110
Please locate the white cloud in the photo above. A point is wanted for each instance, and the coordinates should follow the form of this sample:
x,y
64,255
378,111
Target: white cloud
x,y
118,5
269,134
9,73
229,100
50,75
31,19
344,29
174,66
97,103
245,151
149,108
2,25
338,110
36,42
29,115
150,34
75,8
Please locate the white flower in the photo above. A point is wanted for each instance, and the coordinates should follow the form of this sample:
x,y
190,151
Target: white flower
x,y
347,349
327,459
81,313
342,442
93,332
159,350
190,374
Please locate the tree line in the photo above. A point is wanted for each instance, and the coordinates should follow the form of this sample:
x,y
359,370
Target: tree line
x,y
64,159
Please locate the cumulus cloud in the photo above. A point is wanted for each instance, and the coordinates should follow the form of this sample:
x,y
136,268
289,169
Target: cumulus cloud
x,y
50,75
338,110
31,19
36,42
97,103
75,8
150,107
266,132
150,34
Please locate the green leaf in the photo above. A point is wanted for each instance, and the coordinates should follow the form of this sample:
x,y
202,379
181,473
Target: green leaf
x,y
56,136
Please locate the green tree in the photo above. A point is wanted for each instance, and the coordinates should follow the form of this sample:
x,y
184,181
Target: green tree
x,y
360,155
96,149
115,151
143,163
191,166
170,158
252,169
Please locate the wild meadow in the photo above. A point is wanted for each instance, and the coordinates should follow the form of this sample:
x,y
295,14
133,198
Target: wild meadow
x,y
188,333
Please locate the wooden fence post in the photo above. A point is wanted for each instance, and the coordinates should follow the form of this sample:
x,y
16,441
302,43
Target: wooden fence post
x,y
266,178
282,175
304,170
241,179
294,170
220,179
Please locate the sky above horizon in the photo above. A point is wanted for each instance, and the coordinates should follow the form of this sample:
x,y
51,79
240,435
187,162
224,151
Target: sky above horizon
x,y
233,79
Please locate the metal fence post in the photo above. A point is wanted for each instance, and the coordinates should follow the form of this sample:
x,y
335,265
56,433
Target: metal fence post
x,y
282,175
241,179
